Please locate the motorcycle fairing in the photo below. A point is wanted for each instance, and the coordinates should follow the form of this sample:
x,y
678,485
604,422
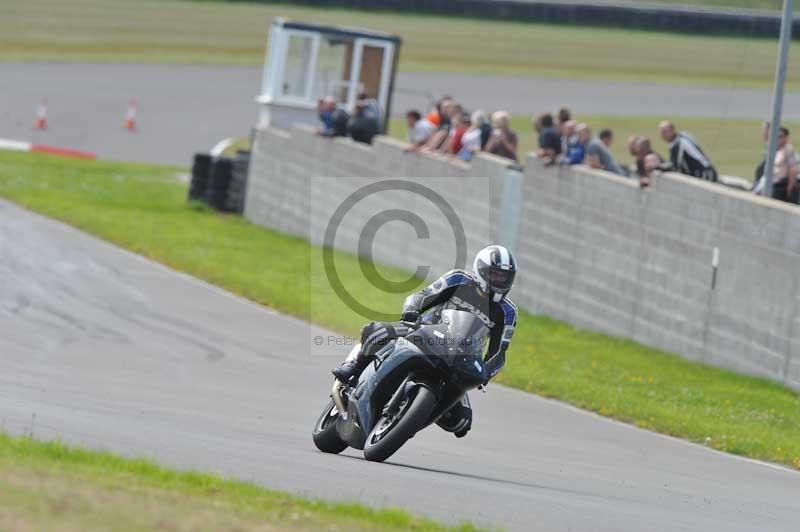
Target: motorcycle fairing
x,y
381,378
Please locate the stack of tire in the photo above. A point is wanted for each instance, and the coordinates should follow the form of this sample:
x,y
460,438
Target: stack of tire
x,y
200,170
221,182
238,184
219,179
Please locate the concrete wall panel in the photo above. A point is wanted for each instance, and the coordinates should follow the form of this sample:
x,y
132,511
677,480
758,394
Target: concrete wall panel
x,y
593,248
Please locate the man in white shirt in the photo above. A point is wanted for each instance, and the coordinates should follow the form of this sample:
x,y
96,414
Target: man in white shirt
x,y
784,170
419,130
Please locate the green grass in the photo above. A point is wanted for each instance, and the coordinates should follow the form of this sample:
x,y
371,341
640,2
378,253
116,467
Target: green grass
x,y
143,208
51,486
170,31
734,145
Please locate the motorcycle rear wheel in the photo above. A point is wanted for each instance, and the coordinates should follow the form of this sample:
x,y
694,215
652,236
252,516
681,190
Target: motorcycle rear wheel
x,y
325,435
393,430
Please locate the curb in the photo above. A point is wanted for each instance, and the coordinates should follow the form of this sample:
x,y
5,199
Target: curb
x,y
16,145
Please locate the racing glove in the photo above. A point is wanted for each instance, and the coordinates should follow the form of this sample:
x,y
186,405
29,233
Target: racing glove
x,y
410,314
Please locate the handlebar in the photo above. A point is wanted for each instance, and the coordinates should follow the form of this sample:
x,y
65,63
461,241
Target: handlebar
x,y
412,324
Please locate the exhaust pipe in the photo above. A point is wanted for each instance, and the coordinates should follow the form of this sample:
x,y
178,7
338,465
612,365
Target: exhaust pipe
x,y
336,394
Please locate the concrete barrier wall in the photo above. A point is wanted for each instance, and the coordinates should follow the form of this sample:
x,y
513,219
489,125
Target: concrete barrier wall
x,y
594,249
602,254
300,179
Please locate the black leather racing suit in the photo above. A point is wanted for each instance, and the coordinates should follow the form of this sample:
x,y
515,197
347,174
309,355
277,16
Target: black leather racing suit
x,y
458,290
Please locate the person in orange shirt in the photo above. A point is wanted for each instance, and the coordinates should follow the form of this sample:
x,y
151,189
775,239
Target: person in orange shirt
x,y
435,116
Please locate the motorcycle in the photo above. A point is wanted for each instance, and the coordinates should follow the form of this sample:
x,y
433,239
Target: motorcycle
x,y
411,383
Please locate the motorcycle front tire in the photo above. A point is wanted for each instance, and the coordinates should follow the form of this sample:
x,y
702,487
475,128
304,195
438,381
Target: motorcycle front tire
x,y
390,433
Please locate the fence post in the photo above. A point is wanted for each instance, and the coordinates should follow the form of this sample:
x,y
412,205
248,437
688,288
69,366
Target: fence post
x,y
510,207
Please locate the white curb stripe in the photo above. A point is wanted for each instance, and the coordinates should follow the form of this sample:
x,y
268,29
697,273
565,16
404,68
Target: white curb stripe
x,y
16,145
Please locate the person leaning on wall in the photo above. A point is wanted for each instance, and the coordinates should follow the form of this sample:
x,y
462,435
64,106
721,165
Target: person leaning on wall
x,y
447,110
549,139
686,155
419,130
598,153
646,159
364,125
503,141
334,119
784,171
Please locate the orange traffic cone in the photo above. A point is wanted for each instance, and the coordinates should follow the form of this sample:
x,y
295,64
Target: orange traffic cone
x,y
41,116
130,117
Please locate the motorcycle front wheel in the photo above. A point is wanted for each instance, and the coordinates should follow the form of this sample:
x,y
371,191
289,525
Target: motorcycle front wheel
x,y
394,429
325,435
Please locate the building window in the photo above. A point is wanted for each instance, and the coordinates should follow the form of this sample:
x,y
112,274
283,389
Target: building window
x,y
332,77
296,77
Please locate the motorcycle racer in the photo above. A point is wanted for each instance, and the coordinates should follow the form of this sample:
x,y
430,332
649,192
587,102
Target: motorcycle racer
x,y
482,292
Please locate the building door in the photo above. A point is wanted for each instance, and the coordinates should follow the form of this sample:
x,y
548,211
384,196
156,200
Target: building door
x,y
372,72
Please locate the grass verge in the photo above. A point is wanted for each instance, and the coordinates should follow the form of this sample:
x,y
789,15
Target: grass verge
x,y
50,486
170,31
143,208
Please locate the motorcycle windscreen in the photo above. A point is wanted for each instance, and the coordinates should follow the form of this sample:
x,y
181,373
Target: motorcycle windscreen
x,y
465,334
466,337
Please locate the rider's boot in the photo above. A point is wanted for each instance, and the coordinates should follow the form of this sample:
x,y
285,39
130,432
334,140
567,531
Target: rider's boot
x,y
350,369
353,365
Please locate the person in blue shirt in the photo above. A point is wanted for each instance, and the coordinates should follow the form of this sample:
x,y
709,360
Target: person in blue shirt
x,y
334,120
577,151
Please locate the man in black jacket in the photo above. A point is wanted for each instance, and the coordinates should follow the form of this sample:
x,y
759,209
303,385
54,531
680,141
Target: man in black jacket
x,y
685,153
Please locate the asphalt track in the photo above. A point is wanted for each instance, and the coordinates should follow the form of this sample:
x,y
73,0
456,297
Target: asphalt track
x,y
102,348
184,109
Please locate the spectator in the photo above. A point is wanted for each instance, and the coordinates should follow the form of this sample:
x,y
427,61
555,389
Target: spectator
x,y
449,109
363,125
419,130
460,124
784,170
651,162
577,151
598,153
471,141
606,136
633,143
480,120
325,109
503,141
640,148
685,153
568,137
565,127
334,120
372,110
647,160
435,116
549,139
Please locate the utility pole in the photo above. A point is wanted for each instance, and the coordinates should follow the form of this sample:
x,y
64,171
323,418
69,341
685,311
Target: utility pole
x,y
777,95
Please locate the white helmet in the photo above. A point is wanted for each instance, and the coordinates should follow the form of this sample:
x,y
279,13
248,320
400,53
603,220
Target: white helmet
x,y
495,269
